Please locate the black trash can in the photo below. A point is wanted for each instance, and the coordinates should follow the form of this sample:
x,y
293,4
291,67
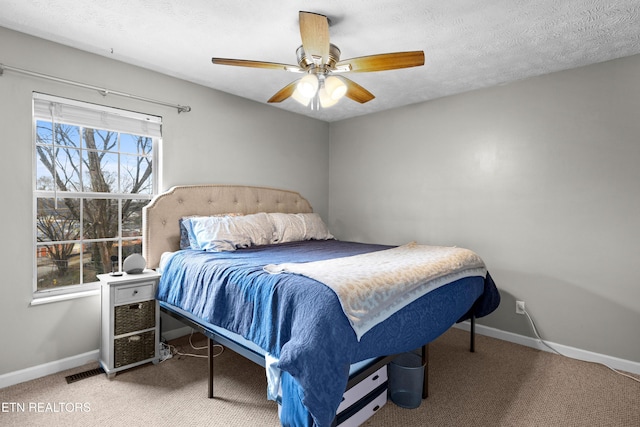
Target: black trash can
x,y
406,375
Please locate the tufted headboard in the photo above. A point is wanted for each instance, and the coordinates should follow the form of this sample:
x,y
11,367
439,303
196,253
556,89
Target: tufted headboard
x,y
161,232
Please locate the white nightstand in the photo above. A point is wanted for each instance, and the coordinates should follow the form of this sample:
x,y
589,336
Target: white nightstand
x,y
130,321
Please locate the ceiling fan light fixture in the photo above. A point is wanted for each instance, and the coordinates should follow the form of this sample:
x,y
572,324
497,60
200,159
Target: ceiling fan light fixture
x,y
304,100
308,86
335,87
325,99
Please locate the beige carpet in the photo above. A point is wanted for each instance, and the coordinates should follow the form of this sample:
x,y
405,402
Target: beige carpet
x,y
502,384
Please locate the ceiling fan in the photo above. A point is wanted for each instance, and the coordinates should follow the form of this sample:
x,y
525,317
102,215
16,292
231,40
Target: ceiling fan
x,y
323,85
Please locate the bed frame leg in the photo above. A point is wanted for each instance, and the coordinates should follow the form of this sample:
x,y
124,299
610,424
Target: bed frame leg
x,y
210,357
425,363
472,344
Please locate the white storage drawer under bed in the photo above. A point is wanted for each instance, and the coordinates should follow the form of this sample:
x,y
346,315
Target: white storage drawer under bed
x,y
363,400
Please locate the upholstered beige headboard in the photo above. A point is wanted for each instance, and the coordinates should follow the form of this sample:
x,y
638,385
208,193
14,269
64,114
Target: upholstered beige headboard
x,y
161,231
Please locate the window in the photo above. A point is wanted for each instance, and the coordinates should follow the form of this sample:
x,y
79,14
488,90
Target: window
x,y
93,173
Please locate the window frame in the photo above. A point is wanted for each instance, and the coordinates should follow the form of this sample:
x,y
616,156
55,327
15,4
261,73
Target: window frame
x,y
127,119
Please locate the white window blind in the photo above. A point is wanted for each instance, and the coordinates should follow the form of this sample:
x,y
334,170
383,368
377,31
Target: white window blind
x,y
47,107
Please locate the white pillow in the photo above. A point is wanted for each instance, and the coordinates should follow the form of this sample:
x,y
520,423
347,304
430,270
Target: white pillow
x,y
187,238
186,230
298,227
228,233
257,226
315,228
287,227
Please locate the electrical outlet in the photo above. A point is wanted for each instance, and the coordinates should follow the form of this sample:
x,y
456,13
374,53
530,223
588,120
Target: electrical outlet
x,y
519,307
165,352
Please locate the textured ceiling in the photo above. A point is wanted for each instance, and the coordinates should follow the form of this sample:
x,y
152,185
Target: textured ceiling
x,y
468,44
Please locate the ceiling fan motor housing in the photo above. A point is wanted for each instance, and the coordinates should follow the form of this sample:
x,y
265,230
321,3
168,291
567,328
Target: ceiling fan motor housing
x,y
307,61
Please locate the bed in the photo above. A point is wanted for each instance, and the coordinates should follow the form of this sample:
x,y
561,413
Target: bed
x,y
255,302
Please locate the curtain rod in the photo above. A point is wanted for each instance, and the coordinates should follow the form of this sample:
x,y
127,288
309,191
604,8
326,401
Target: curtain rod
x,y
102,91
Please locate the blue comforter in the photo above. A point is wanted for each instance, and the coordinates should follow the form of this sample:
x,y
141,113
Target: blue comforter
x,y
300,321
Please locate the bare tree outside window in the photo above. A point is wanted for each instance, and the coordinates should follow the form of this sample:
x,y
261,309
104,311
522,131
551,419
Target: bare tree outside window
x,y
91,185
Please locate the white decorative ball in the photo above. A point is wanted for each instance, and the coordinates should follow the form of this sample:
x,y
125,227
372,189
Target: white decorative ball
x,y
134,264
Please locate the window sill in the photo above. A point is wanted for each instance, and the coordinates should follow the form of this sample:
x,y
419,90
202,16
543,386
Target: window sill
x,y
40,300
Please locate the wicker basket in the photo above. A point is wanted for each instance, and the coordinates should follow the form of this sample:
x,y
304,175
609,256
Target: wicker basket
x,y
134,317
134,348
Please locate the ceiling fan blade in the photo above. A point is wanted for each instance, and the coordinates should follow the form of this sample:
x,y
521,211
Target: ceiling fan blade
x,y
314,31
356,92
384,61
284,93
256,64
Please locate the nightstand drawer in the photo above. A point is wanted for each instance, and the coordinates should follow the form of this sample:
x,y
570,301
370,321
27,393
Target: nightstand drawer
x,y
134,317
134,348
139,292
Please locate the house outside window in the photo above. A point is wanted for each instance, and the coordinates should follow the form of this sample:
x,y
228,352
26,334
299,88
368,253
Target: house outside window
x,y
94,170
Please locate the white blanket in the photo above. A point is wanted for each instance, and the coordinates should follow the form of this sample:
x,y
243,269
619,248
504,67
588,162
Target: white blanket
x,y
373,286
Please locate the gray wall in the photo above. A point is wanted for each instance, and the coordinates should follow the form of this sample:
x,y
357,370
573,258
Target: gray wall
x,y
540,177
225,139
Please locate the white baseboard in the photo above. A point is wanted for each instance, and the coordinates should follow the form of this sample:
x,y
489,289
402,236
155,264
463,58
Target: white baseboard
x,y
71,362
45,369
54,367
176,333
572,352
